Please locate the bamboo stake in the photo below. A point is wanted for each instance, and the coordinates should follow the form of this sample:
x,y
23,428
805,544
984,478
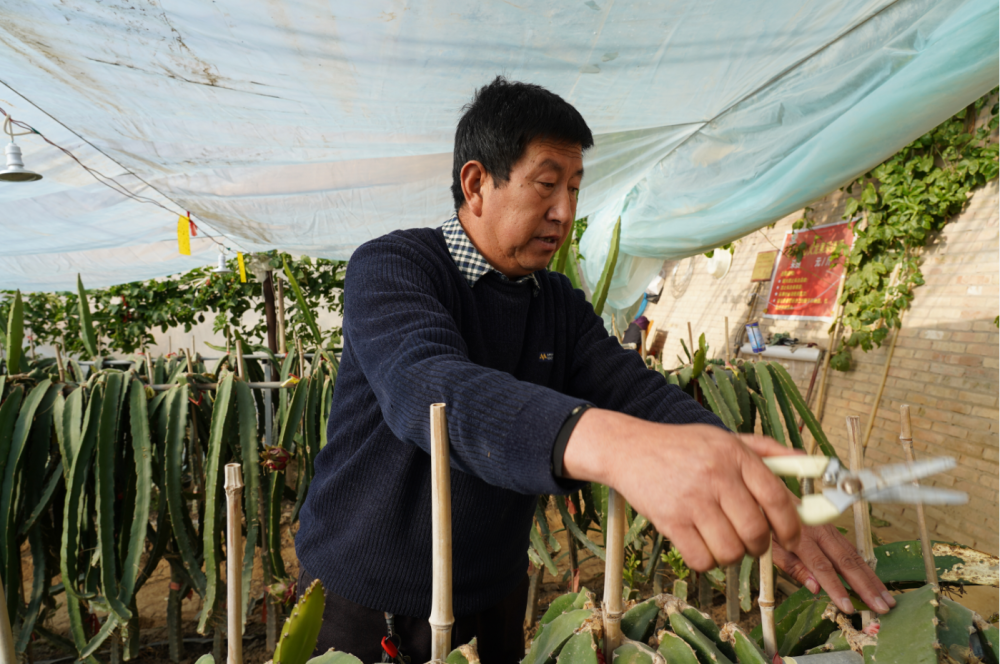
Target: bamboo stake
x,y
282,344
60,365
234,560
690,340
187,356
534,586
862,524
239,360
642,344
906,438
729,356
881,386
766,601
302,358
442,618
7,654
834,333
613,566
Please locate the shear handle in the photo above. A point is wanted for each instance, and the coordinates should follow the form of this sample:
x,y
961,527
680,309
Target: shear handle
x,y
797,465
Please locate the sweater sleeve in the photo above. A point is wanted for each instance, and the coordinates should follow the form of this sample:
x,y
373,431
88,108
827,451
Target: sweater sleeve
x,y
398,326
617,379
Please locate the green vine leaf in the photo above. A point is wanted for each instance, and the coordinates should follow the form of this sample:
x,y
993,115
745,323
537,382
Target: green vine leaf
x,y
902,202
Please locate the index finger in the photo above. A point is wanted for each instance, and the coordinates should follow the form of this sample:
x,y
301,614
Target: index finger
x,y
774,498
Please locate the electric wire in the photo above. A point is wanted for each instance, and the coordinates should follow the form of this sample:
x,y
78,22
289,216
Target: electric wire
x,y
9,123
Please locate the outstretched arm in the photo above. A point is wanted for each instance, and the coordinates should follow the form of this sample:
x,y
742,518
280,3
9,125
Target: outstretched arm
x,y
710,493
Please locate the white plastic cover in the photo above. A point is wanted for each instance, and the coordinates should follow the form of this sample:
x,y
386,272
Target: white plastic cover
x,y
314,125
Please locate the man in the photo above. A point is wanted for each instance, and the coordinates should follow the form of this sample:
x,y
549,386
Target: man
x,y
539,398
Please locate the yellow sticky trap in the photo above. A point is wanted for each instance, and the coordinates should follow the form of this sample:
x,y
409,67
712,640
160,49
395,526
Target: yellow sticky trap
x,y
184,236
243,267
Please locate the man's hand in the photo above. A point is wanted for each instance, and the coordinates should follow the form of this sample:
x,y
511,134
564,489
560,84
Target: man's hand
x,y
821,554
703,487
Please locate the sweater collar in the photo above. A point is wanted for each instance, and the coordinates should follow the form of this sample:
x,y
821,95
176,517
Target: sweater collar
x,y
470,262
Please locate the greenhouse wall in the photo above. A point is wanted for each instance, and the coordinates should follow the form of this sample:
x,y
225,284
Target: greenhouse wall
x,y
945,364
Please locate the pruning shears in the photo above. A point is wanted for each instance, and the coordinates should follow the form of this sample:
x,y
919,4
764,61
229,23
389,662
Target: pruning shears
x,y
894,483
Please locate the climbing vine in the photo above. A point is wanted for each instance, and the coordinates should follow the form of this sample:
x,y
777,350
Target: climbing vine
x,y
126,315
901,203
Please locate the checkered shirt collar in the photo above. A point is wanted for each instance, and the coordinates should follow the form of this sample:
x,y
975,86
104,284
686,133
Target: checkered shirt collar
x,y
470,262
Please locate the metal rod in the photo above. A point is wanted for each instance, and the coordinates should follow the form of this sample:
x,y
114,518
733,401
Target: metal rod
x,y
442,618
234,560
906,439
613,568
862,523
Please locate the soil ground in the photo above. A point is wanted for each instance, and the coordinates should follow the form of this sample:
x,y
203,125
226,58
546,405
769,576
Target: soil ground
x,y
152,602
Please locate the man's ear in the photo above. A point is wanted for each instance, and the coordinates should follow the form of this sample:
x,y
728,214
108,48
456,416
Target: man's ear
x,y
473,178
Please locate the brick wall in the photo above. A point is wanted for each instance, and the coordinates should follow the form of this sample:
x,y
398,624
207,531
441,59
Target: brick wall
x,y
945,364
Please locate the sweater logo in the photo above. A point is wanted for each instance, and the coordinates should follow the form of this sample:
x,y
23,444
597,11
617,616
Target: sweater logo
x,y
546,357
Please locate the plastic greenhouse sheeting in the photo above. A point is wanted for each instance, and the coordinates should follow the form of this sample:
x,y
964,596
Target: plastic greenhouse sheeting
x,y
313,126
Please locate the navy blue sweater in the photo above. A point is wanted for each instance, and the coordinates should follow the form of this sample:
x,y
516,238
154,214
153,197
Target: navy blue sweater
x,y
510,366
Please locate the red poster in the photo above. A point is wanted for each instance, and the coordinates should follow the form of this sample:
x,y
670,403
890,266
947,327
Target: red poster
x,y
806,289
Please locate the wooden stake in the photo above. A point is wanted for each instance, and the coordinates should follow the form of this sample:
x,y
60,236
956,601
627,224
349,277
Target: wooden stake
x,y
766,601
282,344
240,371
834,333
7,654
442,618
534,586
270,316
194,350
234,560
613,567
190,362
906,438
862,524
302,357
642,345
729,358
60,365
881,386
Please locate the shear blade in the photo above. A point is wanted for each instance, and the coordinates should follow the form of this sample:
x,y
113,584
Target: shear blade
x,y
909,493
904,473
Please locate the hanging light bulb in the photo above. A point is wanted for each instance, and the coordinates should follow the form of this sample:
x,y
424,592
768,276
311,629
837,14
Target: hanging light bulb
x,y
222,269
15,171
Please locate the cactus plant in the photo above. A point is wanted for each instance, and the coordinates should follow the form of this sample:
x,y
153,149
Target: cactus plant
x,y
924,628
301,629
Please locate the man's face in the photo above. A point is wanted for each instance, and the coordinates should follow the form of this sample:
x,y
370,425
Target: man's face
x,y
527,219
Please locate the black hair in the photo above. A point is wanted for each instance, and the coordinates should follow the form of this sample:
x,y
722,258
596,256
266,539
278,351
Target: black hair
x,y
502,119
